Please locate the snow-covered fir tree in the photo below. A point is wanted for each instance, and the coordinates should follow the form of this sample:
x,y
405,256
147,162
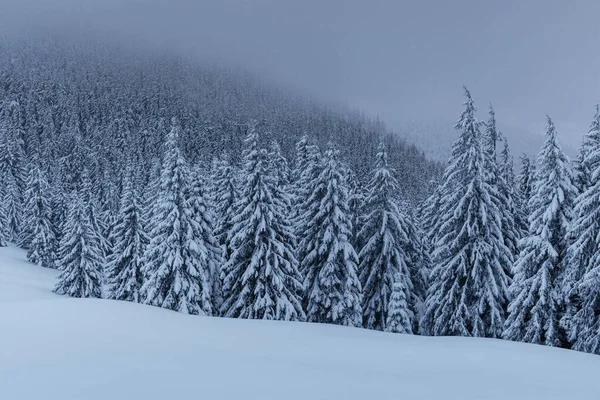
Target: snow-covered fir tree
x,y
580,282
307,170
38,235
399,319
468,292
123,271
332,287
383,239
533,311
261,278
12,170
175,276
501,193
202,224
3,222
225,196
526,181
80,258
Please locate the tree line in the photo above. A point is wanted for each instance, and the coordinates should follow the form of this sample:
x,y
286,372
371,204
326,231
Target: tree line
x,y
250,230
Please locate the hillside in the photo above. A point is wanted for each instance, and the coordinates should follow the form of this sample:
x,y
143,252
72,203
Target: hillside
x,y
61,348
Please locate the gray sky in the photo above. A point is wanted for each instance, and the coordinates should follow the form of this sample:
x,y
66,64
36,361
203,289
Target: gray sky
x,y
402,60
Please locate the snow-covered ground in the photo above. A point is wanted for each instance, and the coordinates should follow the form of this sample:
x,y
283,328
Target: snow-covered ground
x,y
52,347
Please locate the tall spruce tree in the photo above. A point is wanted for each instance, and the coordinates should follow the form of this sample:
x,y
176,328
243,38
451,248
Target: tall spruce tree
x,y
225,197
468,292
173,265
533,310
123,275
12,171
580,282
383,239
38,234
80,258
526,181
501,193
203,227
332,287
261,278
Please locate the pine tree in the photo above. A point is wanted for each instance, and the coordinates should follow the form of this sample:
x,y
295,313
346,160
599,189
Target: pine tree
x,y
39,234
79,255
203,227
173,264
533,311
3,222
225,197
124,277
579,284
526,180
468,291
501,193
382,238
399,318
308,168
261,278
332,287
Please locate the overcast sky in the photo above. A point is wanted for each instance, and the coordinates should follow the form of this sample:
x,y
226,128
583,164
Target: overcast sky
x,y
402,60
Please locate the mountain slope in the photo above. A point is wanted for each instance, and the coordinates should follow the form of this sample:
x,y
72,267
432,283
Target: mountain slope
x,y
54,347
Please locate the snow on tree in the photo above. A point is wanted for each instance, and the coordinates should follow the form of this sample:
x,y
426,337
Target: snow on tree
x,y
261,278
123,271
580,282
3,221
468,292
307,170
174,267
418,261
332,287
80,259
225,197
501,193
12,169
399,318
203,227
382,238
278,166
38,234
526,180
533,310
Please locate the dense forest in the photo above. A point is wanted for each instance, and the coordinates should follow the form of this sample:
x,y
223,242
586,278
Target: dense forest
x,y
206,191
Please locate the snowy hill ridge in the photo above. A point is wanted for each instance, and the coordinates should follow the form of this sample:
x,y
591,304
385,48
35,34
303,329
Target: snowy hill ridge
x,y
54,347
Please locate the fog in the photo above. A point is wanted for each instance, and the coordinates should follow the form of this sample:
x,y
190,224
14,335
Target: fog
x,y
401,60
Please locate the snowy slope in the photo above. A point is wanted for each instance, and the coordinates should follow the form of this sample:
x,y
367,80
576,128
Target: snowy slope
x,y
53,347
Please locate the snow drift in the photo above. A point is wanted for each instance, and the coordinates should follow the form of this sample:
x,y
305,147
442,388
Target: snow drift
x,y
53,347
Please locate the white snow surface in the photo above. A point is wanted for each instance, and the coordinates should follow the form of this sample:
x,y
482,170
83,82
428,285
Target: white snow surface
x,y
53,347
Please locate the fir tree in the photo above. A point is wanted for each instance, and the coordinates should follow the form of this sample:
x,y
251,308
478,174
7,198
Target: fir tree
x,y
579,284
261,278
399,318
468,291
225,197
533,311
501,194
382,257
333,291
40,236
526,180
3,222
79,255
202,229
124,277
175,276
308,168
